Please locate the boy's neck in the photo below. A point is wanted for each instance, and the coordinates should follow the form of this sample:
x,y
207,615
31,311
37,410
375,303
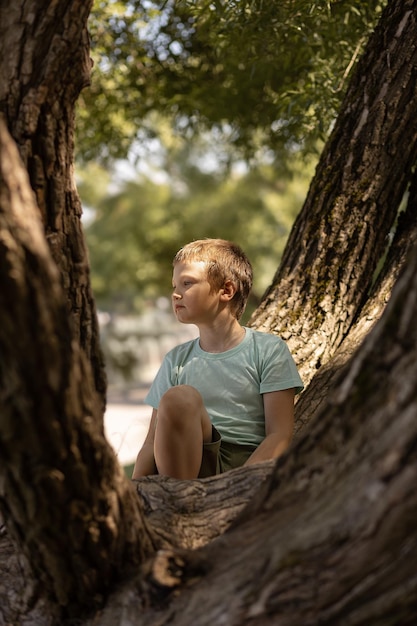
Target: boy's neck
x,y
219,338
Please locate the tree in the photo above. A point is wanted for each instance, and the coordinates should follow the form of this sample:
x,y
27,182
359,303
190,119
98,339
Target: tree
x,y
325,535
38,89
350,210
264,75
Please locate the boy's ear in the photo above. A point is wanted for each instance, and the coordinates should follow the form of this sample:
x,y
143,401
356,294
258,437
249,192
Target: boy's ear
x,y
228,291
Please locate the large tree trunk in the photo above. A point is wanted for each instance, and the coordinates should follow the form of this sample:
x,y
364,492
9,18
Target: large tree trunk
x,y
405,239
43,66
63,493
343,229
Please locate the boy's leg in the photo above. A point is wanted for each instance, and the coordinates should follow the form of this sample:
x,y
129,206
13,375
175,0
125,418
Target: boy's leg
x,y
182,426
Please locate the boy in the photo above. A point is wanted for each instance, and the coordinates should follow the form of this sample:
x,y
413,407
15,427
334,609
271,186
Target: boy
x,y
225,399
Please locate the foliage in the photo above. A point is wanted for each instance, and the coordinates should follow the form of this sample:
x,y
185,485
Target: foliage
x,y
264,74
264,78
138,228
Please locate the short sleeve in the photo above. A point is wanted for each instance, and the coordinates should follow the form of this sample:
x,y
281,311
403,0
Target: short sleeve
x,y
278,370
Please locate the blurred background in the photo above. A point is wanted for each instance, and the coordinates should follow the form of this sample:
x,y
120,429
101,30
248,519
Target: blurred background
x,y
203,119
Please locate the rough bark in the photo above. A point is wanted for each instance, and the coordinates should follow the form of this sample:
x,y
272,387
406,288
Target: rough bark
x,y
43,66
21,596
190,514
342,231
404,240
63,493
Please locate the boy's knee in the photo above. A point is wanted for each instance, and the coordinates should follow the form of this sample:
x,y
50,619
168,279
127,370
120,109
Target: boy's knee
x,y
181,403
183,396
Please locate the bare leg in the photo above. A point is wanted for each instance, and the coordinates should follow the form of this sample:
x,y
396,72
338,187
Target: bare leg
x,y
182,426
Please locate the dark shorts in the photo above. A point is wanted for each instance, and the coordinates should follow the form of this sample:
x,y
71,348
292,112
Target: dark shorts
x,y
220,456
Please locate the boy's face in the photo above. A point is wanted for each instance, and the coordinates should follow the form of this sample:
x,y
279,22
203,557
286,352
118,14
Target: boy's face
x,y
194,300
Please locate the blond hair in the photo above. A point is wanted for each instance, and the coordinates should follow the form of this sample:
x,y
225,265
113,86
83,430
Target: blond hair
x,y
225,261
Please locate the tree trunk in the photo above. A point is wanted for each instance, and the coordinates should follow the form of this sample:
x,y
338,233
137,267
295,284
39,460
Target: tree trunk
x,y
44,66
63,493
190,514
343,229
404,240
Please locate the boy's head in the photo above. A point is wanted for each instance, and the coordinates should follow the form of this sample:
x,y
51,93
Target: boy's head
x,y
224,261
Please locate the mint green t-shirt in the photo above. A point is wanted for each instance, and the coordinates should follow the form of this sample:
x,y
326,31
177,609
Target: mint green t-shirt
x,y
232,382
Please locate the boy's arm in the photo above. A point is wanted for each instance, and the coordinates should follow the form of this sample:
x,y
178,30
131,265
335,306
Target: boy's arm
x,y
145,463
279,425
